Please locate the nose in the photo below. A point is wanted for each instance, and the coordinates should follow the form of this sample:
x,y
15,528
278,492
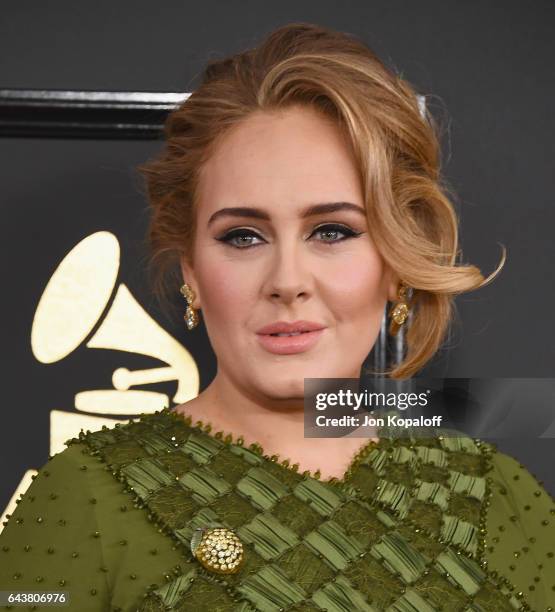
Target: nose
x,y
289,276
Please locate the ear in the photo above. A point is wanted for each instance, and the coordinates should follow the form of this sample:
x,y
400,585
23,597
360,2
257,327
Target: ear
x,y
393,282
188,274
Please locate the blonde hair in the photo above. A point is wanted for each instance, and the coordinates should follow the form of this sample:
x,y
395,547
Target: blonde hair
x,y
409,207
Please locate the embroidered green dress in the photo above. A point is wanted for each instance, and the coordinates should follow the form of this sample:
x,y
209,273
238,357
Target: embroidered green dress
x,y
417,525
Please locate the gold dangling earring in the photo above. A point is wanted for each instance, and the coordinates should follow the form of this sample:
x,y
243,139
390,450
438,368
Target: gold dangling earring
x,y
191,316
400,312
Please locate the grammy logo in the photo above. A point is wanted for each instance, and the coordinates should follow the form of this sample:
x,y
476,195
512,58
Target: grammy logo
x,y
74,302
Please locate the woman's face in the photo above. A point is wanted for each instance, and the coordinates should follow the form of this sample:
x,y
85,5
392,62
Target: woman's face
x,y
272,262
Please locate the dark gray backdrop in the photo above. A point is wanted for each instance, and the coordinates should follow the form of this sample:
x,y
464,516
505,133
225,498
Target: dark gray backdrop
x,y
489,64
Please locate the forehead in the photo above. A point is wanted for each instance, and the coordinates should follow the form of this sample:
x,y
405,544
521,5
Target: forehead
x,y
286,158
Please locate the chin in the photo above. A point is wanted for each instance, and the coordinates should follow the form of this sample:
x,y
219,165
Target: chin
x,y
291,383
275,383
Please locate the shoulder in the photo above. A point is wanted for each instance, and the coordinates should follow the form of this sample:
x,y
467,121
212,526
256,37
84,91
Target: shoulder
x,y
63,473
520,530
70,482
515,488
62,486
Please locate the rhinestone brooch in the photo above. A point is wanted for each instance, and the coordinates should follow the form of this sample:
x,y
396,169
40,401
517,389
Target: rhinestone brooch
x,y
218,549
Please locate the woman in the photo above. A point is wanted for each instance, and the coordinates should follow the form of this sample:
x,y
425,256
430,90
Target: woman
x,y
299,192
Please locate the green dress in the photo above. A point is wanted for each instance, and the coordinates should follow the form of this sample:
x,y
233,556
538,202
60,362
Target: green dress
x,y
415,525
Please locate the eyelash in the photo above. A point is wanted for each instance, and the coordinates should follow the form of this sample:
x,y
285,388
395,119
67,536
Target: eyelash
x,y
349,233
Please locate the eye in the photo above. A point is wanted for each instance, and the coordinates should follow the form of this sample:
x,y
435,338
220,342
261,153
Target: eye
x,y
333,229
245,236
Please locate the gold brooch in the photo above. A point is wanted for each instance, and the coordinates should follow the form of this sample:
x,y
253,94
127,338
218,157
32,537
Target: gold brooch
x,y
218,549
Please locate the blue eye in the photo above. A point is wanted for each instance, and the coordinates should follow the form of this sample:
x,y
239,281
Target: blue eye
x,y
245,235
335,229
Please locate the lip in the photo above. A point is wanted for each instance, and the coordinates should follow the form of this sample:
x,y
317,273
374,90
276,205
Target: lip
x,y
286,327
287,345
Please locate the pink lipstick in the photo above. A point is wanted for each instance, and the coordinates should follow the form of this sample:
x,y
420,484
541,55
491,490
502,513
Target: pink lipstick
x,y
284,338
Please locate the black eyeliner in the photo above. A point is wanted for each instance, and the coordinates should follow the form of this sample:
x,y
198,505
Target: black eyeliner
x,y
245,232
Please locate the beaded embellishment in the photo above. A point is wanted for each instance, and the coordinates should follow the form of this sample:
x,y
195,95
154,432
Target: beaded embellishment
x,y
404,528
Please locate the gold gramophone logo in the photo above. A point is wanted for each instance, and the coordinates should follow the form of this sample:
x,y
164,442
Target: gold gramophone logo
x,y
74,302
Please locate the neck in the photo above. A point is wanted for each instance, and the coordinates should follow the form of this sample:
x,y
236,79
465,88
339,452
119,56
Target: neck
x,y
277,424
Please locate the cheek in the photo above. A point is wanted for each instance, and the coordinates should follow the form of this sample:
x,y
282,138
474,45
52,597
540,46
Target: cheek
x,y
359,288
224,287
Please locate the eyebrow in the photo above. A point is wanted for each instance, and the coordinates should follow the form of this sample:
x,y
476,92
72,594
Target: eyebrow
x,y
258,213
